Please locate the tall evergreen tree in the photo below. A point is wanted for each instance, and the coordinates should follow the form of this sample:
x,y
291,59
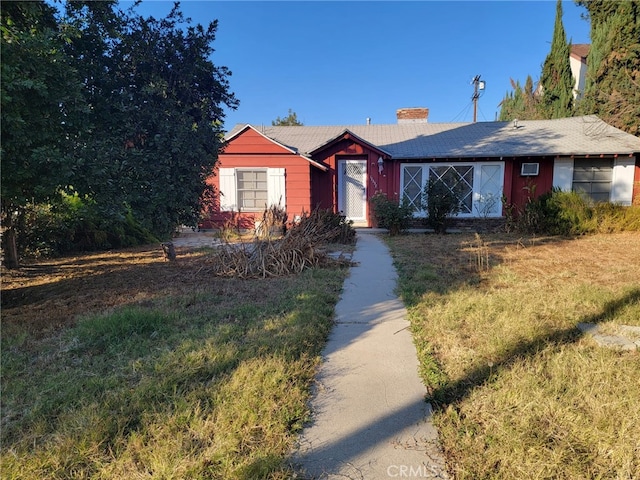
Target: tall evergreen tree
x,y
521,103
557,81
612,89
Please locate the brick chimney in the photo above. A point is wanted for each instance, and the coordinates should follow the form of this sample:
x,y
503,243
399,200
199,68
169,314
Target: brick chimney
x,y
412,115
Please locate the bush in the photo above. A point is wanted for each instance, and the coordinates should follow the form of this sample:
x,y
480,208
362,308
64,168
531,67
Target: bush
x,y
394,216
72,224
440,202
568,213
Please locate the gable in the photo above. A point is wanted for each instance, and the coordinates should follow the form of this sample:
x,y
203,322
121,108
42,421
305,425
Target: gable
x,y
250,141
352,139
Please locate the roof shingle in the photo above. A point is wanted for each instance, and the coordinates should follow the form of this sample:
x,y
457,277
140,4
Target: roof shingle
x,y
587,135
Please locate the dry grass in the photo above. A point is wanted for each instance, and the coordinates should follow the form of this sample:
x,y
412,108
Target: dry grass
x,y
123,365
520,392
50,294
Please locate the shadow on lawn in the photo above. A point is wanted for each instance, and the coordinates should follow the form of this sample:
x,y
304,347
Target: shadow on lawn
x,y
453,392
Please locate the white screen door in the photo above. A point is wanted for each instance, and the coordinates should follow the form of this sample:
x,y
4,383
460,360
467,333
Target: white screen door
x,y
352,191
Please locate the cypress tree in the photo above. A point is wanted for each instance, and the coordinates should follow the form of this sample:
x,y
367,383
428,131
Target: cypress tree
x,y
557,80
612,90
521,103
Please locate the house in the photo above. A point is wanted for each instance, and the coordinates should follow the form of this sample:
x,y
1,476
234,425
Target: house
x,y
578,62
341,167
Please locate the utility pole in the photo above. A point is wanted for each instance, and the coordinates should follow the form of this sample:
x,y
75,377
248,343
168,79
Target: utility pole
x,y
478,86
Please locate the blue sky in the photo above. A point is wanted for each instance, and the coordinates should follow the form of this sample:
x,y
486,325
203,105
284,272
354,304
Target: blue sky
x,y
339,63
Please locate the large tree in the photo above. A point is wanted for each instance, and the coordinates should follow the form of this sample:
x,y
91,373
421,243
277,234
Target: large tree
x,y
554,96
612,89
157,113
556,80
125,112
41,106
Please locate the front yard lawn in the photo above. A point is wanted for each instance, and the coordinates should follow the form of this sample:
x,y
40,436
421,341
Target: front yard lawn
x,y
519,392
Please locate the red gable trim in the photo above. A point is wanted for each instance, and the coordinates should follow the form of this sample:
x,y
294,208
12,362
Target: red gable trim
x,y
348,135
289,149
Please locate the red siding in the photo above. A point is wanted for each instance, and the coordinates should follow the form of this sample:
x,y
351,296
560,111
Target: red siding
x,y
325,184
251,141
250,149
521,189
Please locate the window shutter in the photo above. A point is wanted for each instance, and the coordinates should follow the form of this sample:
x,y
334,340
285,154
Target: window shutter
x,y
563,174
276,187
228,201
622,181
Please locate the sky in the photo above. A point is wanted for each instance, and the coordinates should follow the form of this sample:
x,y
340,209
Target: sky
x,y
339,62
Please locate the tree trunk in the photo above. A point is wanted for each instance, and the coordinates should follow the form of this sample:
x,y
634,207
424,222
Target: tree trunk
x,y
10,248
169,251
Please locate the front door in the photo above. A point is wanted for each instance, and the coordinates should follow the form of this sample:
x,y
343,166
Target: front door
x,y
352,190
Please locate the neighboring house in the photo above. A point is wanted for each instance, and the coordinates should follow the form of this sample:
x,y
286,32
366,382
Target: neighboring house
x,y
341,167
578,62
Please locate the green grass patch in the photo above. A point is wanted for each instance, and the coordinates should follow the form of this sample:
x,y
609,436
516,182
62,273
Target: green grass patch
x,y
519,392
208,383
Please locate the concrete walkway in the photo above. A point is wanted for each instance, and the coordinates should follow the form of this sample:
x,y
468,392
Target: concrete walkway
x,y
370,419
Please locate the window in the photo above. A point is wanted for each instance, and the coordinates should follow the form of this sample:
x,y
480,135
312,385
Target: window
x,y
251,188
478,186
599,179
413,185
530,169
459,180
592,179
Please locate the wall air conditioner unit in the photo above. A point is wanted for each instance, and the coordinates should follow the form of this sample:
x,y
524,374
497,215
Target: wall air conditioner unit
x,y
530,169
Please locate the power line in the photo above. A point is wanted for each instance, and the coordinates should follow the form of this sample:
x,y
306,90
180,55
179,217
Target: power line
x,y
463,112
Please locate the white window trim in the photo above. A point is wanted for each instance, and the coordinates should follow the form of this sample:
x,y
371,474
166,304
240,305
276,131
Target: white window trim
x,y
276,187
476,195
621,179
563,174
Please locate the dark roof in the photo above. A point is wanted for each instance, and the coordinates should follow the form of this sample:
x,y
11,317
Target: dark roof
x,y
580,50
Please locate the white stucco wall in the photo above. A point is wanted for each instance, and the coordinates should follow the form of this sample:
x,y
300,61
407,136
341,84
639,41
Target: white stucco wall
x,y
579,72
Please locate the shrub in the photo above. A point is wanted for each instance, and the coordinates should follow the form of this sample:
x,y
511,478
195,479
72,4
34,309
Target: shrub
x,y
440,202
71,223
568,213
394,216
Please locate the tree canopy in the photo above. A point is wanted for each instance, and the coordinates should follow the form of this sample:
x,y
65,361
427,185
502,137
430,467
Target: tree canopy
x,y
521,103
41,101
557,81
612,88
124,111
291,120
553,97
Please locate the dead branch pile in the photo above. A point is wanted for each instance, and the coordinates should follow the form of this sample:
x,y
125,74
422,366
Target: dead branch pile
x,y
301,247
325,226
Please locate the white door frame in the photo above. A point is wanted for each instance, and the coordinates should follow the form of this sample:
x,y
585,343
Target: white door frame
x,y
342,204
